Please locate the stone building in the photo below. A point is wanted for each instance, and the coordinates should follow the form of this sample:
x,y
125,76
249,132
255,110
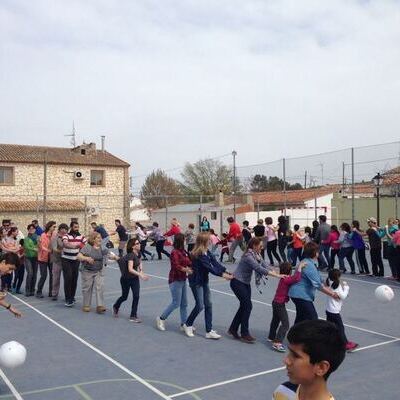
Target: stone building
x,y
61,184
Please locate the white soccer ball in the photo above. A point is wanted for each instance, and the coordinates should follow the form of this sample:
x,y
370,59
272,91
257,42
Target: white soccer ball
x,y
12,354
384,294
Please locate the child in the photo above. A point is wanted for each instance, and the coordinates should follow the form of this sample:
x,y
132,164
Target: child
x,y
190,238
214,242
334,306
246,232
225,247
297,245
289,247
279,313
316,349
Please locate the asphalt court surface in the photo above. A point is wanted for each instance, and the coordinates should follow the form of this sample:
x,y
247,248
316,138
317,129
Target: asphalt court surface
x,y
75,355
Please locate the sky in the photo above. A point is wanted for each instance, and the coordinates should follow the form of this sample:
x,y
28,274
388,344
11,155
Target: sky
x,y
169,82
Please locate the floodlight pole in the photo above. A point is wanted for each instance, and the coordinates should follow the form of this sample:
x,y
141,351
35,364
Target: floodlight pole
x,y
234,154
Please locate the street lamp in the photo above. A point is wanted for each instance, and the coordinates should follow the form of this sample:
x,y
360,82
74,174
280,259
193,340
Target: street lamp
x,y
234,154
377,180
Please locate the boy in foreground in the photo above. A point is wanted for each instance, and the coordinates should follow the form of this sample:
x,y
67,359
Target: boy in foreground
x,y
316,349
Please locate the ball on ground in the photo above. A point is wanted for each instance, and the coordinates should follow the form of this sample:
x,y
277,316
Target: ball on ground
x,y
12,354
384,294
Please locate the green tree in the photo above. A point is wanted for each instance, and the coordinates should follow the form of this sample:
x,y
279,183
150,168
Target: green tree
x,y
157,185
208,177
260,183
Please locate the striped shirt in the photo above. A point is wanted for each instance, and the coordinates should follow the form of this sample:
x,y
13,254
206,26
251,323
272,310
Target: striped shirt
x,y
74,239
288,391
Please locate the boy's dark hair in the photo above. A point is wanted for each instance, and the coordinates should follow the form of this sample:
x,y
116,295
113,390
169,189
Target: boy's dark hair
x,y
296,227
230,220
268,220
322,218
63,226
21,242
30,226
10,258
285,268
310,250
118,221
321,340
35,221
191,226
246,223
179,241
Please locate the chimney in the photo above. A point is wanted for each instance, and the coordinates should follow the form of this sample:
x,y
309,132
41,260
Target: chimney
x,y
220,199
103,138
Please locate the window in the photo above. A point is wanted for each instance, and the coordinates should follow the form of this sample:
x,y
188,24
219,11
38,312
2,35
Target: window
x,y
213,215
97,178
6,175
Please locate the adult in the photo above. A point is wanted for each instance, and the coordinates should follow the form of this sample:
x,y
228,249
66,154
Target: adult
x,y
180,269
9,244
375,235
31,261
44,259
190,237
205,225
321,236
315,225
235,236
73,241
391,228
359,246
259,232
92,257
122,236
142,236
240,284
38,229
159,240
56,245
203,263
302,293
283,227
334,244
346,248
105,236
271,241
8,264
131,271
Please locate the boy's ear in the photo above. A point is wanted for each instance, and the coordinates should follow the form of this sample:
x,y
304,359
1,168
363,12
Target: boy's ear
x,y
321,368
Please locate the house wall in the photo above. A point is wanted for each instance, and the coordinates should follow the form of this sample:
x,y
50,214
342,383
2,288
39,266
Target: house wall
x,y
112,199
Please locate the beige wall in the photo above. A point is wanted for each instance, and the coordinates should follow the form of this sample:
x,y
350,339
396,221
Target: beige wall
x,y
112,199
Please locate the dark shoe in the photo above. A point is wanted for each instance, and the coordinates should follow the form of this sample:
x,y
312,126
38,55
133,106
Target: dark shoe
x,y
234,335
248,339
54,298
115,311
39,295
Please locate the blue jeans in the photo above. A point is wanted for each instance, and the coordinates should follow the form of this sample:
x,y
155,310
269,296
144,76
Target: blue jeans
x,y
179,299
202,297
324,255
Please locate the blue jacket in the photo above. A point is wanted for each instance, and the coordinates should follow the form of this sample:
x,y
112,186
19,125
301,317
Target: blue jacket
x,y
201,266
309,282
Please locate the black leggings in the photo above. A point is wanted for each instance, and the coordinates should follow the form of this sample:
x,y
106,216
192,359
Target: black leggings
x,y
143,250
19,276
362,261
376,261
160,249
271,250
337,320
134,285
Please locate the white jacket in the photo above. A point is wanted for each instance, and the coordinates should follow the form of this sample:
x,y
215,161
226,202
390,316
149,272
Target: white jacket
x,y
334,306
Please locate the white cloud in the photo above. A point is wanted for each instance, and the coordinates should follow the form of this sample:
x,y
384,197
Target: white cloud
x,y
174,81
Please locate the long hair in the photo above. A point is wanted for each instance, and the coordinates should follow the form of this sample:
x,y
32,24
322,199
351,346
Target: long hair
x,y
201,245
179,241
334,276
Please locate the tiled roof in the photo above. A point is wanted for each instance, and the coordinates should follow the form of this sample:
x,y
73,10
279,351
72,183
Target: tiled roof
x,y
13,206
59,155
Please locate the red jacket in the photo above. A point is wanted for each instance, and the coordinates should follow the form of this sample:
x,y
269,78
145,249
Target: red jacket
x,y
281,295
235,231
179,259
175,229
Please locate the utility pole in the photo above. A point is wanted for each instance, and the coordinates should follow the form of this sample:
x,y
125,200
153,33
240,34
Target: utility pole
x,y
322,173
284,187
234,154
45,188
305,179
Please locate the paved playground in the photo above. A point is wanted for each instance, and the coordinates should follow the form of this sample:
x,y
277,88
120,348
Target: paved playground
x,y
74,355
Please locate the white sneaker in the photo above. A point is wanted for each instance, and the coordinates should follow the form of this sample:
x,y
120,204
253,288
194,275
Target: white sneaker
x,y
160,324
188,330
183,329
212,335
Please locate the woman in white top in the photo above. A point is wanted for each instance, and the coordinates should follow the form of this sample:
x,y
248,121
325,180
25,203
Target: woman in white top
x,y
271,241
334,306
142,237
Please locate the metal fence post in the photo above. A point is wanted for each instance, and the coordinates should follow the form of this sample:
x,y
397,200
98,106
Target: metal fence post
x,y
353,216
85,216
284,186
166,211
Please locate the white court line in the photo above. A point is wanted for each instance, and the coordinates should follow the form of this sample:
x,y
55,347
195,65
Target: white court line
x,y
242,378
10,386
270,371
387,282
98,351
292,311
